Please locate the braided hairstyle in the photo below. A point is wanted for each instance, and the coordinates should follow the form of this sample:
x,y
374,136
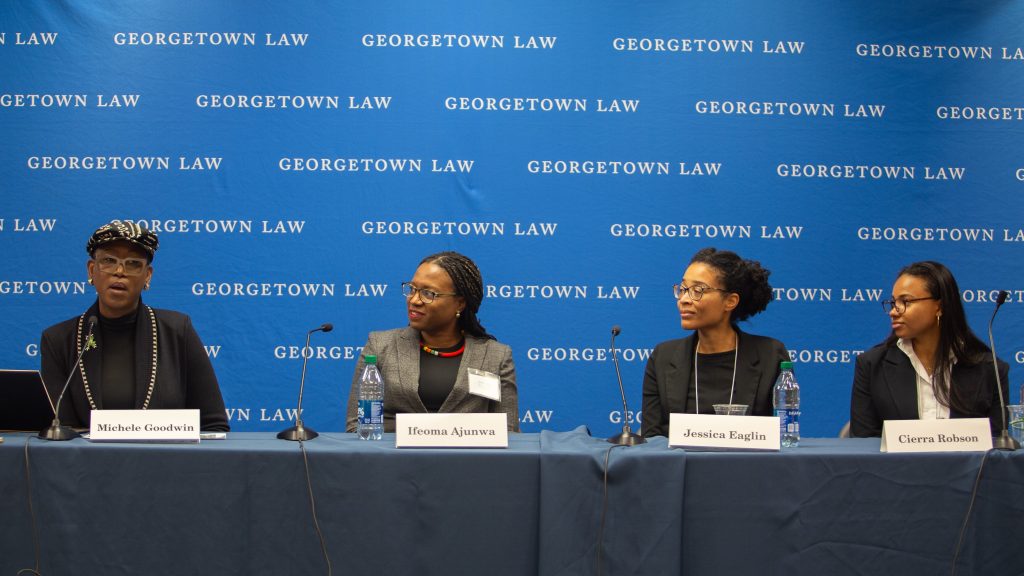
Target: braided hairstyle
x,y
468,283
746,278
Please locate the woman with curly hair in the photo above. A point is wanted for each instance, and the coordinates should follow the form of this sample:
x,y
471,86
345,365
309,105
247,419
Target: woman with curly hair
x,y
718,363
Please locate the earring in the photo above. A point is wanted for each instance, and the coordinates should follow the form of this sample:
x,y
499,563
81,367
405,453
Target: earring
x,y
147,286
458,314
90,280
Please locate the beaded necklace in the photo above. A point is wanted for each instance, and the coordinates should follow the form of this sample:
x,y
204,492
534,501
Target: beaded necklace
x,y
152,376
452,354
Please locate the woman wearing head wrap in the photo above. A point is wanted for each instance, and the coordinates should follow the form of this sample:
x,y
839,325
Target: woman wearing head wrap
x,y
425,364
718,363
143,357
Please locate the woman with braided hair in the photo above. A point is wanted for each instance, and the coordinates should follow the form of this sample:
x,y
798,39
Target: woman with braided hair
x,y
425,365
718,363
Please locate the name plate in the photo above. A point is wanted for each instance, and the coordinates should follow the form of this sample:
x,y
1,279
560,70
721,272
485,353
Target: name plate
x,y
144,426
723,432
955,435
451,431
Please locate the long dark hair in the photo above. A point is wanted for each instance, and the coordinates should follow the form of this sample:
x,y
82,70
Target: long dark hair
x,y
955,337
747,278
468,283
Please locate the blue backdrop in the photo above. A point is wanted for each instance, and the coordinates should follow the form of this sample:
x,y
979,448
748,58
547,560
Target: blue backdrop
x,y
299,159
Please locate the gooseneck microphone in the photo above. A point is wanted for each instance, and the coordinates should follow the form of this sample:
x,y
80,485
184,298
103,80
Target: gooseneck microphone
x,y
1004,441
627,437
56,431
300,432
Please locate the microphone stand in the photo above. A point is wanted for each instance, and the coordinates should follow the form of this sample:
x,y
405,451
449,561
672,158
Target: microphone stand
x,y
56,431
627,437
1004,441
300,432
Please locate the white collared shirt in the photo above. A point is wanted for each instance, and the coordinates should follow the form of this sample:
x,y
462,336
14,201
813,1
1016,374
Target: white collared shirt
x,y
928,407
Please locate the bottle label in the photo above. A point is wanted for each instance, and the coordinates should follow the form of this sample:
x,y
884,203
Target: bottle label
x,y
789,421
371,412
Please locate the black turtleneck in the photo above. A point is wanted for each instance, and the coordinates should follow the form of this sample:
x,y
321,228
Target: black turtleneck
x,y
118,351
715,379
437,376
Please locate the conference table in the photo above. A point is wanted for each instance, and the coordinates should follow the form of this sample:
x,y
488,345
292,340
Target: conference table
x,y
552,503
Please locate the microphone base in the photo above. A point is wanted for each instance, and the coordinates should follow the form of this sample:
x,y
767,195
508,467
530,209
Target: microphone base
x,y
1005,442
297,433
627,438
58,432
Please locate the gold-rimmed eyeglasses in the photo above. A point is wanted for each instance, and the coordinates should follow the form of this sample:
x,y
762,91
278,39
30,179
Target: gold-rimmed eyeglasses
x,y
695,292
426,295
131,266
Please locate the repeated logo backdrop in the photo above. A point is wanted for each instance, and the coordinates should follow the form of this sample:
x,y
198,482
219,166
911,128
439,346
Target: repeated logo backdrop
x,y
299,159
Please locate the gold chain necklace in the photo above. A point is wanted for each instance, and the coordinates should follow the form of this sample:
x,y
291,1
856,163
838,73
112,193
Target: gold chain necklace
x,y
152,376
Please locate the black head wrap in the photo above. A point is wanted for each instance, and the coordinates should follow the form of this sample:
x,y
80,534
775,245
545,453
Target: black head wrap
x,y
124,231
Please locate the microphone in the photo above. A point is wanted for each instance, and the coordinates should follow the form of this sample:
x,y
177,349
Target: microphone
x,y
300,432
1004,441
627,438
56,431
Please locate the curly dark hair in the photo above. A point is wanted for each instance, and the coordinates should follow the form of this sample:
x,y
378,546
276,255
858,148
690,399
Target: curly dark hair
x,y
746,278
468,283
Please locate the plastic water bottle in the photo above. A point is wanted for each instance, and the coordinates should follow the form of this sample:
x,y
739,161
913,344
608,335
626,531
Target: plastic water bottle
x,y
371,401
786,400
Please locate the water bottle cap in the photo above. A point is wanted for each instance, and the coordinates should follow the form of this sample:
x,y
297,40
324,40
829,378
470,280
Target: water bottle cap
x,y
785,365
370,358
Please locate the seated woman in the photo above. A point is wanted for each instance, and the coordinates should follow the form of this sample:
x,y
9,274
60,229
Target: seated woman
x,y
144,358
425,364
932,365
718,363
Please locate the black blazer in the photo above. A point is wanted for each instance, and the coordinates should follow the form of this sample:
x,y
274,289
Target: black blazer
x,y
885,388
667,378
184,378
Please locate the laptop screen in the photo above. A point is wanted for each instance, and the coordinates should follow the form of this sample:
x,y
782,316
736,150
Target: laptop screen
x,y
24,405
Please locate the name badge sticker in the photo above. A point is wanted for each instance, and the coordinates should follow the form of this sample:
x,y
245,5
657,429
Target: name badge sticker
x,y
485,384
713,432
954,435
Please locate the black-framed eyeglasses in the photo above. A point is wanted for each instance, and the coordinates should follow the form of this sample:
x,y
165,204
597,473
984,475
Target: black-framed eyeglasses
x,y
131,266
900,305
426,295
694,292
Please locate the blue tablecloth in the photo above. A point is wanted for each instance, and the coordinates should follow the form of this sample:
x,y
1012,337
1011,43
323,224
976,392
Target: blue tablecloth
x,y
842,507
240,506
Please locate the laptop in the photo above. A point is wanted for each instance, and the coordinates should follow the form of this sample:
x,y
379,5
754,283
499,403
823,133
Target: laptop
x,y
24,404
